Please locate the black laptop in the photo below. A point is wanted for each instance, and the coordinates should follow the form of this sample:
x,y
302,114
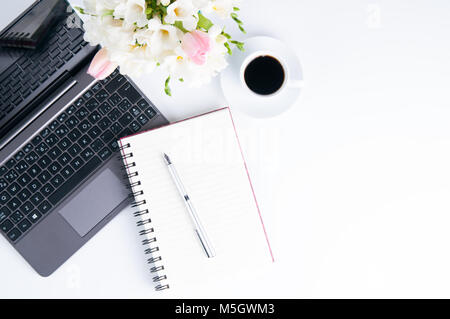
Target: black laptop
x,y
60,176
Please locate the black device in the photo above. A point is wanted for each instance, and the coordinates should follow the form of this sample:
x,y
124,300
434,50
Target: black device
x,y
30,29
60,182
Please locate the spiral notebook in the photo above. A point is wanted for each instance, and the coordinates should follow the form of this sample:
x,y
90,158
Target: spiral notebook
x,y
208,158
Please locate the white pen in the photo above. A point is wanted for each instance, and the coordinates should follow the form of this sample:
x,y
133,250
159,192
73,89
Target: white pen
x,y
199,230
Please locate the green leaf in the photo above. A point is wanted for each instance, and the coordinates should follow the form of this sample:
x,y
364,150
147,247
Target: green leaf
x,y
179,25
226,35
108,13
227,45
236,9
181,79
167,87
80,10
239,45
242,29
203,22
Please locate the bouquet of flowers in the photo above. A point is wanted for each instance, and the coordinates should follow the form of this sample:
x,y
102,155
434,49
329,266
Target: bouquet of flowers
x,y
142,35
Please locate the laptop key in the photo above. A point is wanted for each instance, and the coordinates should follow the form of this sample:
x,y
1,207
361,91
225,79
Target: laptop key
x,y
84,126
41,149
14,234
34,186
31,158
150,112
124,105
74,180
37,199
114,115
55,152
74,150
105,153
77,163
13,189
26,208
87,154
44,177
24,179
54,168
53,125
3,184
94,132
116,128
92,104
64,159
79,102
67,171
16,216
44,162
36,140
21,167
24,194
4,212
11,176
51,140
97,87
19,156
62,131
6,226
101,96
130,92
115,83
125,119
35,216
56,181
104,108
27,148
72,122
64,144
107,136
24,225
74,134
135,127
45,132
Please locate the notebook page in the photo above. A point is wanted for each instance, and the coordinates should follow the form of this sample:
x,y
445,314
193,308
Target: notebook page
x,y
206,154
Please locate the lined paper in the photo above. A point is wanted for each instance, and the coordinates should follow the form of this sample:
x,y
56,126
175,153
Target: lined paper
x,y
207,156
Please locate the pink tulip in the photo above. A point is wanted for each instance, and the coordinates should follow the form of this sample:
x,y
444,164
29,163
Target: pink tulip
x,y
100,66
196,44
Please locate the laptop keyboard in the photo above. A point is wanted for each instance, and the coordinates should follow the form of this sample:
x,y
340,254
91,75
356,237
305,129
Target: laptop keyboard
x,y
58,158
29,72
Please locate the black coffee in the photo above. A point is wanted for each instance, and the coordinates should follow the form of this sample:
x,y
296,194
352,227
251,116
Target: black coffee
x,y
264,75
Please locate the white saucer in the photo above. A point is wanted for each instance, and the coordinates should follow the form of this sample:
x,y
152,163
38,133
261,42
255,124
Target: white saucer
x,y
240,97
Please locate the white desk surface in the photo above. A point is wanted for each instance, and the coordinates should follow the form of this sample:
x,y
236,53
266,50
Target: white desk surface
x,y
353,181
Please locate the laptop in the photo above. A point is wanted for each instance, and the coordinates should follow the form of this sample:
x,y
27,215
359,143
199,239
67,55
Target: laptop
x,y
60,177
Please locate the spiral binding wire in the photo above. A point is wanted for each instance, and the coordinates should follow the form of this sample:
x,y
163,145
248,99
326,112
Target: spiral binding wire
x,y
144,219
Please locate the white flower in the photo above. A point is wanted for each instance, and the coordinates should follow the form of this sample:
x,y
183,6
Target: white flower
x,y
162,38
180,66
184,11
138,44
132,11
223,7
108,32
101,6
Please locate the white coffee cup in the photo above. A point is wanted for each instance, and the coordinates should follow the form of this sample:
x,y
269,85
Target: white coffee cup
x,y
242,98
287,80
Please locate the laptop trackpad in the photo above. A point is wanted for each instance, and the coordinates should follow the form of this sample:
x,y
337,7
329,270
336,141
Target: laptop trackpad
x,y
94,202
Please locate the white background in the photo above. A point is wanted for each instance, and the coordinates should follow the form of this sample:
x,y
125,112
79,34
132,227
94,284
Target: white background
x,y
353,181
